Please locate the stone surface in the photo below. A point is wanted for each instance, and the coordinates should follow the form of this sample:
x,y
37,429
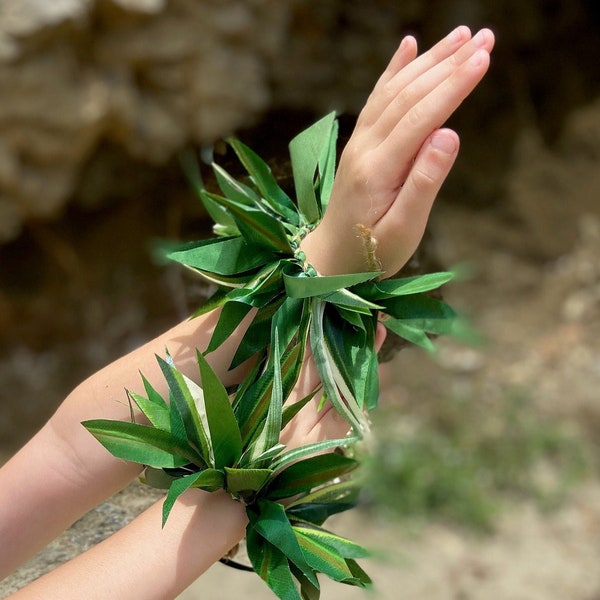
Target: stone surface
x,y
149,76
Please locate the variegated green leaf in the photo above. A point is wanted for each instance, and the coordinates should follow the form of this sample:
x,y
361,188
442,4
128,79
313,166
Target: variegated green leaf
x,y
269,434
322,558
346,548
142,444
181,393
271,522
300,452
225,434
272,565
335,386
305,475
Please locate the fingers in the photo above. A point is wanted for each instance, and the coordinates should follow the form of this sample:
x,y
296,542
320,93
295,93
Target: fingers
x,y
402,227
417,80
400,73
407,133
406,53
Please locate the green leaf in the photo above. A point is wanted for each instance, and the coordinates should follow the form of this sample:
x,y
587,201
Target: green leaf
x,y
306,150
252,407
209,480
303,286
181,392
234,189
424,312
412,285
353,352
224,431
257,336
308,591
156,478
258,228
350,301
265,457
411,333
246,480
287,320
271,564
224,224
232,314
142,444
157,414
345,547
305,475
266,183
327,164
272,524
335,387
269,435
222,256
360,576
323,558
344,492
296,454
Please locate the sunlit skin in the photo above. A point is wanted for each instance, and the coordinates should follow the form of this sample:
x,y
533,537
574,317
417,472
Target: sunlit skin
x,y
388,177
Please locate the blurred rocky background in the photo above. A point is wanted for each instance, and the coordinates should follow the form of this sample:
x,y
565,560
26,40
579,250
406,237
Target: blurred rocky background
x,y
100,99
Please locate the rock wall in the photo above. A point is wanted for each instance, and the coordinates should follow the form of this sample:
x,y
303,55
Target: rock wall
x,y
146,75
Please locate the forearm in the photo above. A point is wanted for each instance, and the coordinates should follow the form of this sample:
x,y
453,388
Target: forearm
x,y
201,528
63,471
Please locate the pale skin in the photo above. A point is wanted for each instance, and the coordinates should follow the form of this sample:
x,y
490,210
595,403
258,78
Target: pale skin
x,y
388,177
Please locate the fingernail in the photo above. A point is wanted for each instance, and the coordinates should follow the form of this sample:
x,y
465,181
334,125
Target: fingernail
x,y
457,34
480,38
444,142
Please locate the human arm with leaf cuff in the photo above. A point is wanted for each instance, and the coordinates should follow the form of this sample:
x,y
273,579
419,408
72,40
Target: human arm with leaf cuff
x,y
388,177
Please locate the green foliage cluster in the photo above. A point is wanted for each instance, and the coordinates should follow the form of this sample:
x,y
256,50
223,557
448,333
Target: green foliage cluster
x,y
201,438
464,459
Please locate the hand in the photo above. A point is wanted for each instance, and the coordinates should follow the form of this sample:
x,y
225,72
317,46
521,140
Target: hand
x,y
397,158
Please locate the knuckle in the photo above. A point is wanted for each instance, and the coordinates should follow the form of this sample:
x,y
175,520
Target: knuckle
x,y
423,180
415,115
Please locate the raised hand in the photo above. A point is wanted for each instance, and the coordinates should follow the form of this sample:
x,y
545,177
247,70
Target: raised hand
x,y
398,157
